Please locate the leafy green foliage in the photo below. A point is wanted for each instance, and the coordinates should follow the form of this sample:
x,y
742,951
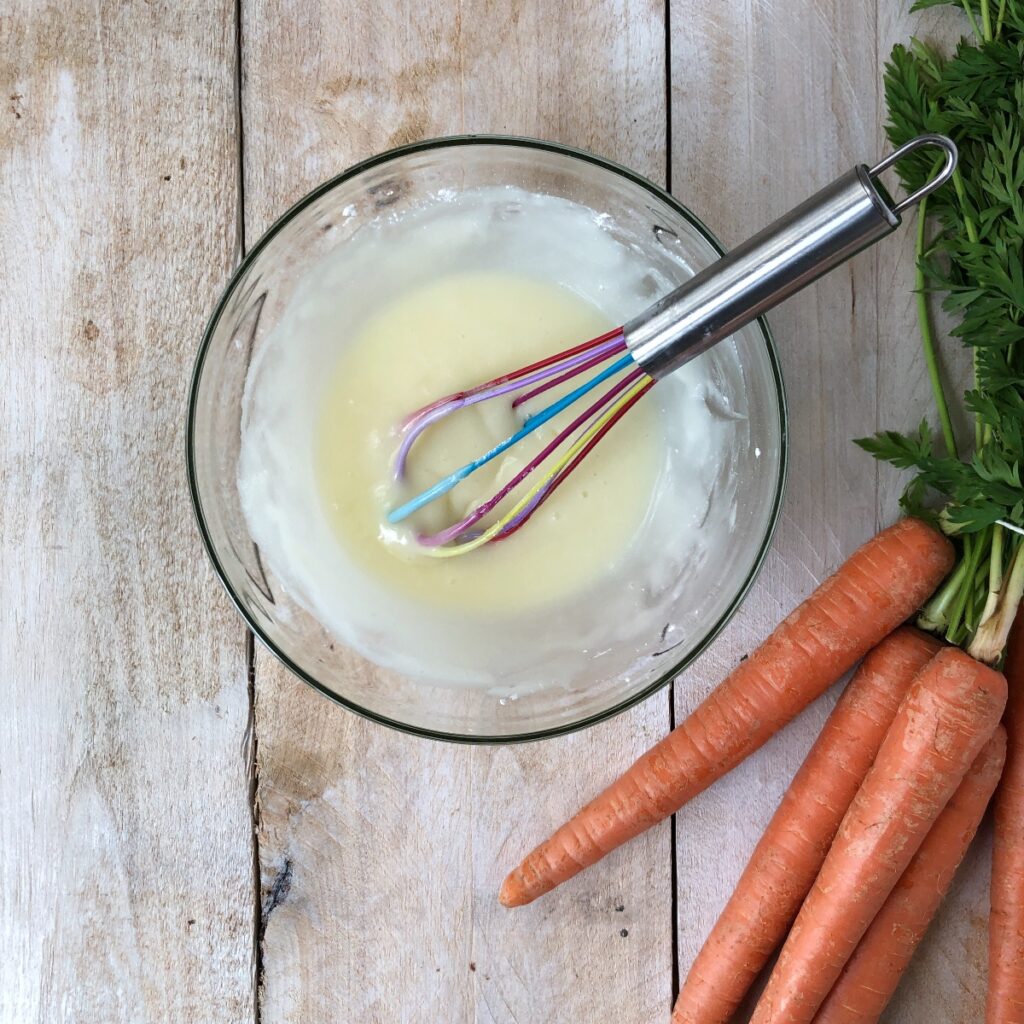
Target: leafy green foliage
x,y
981,491
975,261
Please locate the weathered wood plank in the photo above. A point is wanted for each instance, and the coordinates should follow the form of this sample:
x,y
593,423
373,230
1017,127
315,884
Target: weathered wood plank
x,y
947,978
381,854
125,863
769,103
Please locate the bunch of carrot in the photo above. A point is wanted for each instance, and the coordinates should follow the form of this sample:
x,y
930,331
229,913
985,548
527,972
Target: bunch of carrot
x,y
865,843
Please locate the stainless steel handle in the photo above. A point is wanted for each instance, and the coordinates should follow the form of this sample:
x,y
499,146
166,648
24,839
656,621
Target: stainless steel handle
x,y
824,231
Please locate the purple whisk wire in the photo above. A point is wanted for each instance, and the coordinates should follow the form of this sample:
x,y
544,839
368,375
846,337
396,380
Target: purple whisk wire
x,y
457,529
565,369
599,356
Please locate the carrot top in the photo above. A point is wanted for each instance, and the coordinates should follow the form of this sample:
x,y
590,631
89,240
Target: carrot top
x,y
970,247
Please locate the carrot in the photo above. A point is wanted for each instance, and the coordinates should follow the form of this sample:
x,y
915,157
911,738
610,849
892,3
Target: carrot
x,y
883,583
786,861
953,707
873,972
1005,1004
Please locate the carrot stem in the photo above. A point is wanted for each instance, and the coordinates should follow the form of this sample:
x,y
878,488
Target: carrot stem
x,y
971,18
972,234
977,594
928,335
972,556
995,575
990,639
986,21
934,616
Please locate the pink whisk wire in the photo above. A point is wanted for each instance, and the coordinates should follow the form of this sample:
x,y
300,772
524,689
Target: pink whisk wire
x,y
565,364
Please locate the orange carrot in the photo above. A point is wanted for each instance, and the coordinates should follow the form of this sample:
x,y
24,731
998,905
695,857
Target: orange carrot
x,y
873,972
953,707
883,583
1005,1003
786,861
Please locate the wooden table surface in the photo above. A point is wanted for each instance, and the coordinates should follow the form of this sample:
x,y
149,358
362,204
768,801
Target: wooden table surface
x,y
189,834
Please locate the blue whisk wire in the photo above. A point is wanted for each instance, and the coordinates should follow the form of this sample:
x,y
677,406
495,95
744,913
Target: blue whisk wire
x,y
538,419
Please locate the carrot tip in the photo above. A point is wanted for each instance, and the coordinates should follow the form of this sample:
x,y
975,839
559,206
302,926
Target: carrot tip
x,y
511,894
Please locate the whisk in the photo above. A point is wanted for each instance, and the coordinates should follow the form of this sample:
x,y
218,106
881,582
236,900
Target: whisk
x,y
834,224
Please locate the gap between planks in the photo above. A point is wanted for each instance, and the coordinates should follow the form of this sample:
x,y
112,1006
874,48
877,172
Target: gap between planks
x,y
673,867
251,738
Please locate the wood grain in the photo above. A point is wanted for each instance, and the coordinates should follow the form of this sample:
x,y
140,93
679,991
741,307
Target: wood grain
x,y
125,863
769,103
381,854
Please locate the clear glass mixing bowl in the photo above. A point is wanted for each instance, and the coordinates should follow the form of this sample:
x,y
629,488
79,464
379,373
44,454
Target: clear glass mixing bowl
x,y
642,215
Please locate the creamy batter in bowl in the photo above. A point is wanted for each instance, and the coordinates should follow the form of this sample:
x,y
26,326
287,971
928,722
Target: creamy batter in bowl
x,y
305,363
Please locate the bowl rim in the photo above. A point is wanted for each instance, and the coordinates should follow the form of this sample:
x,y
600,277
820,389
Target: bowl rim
x,y
455,141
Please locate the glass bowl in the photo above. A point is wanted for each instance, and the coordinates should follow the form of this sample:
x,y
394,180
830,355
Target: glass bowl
x,y
644,216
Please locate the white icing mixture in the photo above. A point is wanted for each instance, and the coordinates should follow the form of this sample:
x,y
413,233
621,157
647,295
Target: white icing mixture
x,y
423,304
460,329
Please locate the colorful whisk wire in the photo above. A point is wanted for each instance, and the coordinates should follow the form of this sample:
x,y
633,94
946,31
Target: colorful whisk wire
x,y
578,437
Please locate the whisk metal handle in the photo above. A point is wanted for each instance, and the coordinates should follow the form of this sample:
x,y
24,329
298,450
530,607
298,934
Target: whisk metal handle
x,y
841,220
